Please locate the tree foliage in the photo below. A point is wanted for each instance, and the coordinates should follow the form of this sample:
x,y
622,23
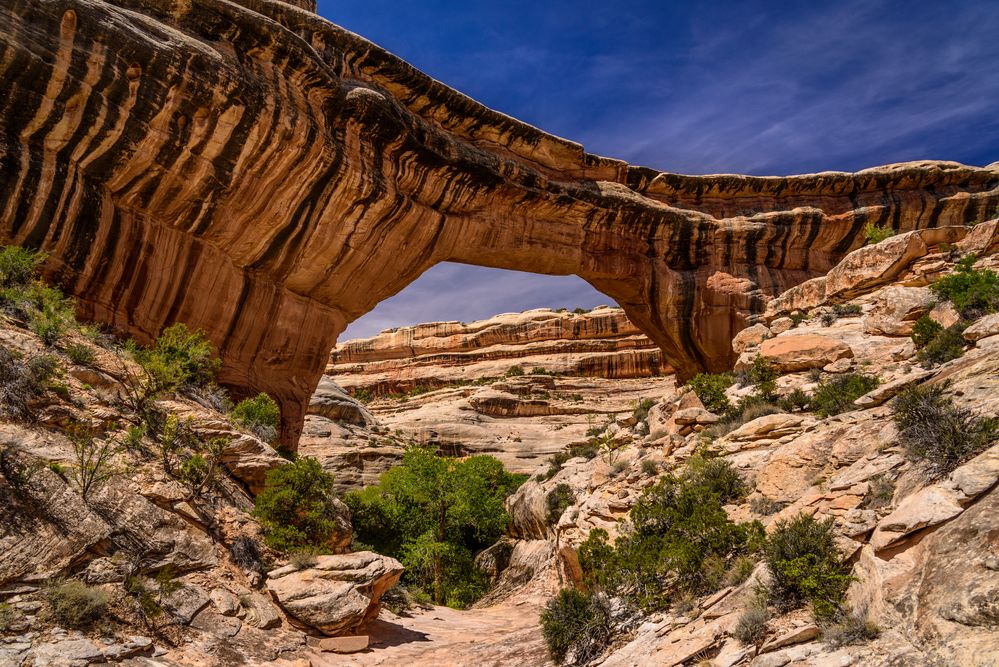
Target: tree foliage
x,y
296,507
434,513
680,540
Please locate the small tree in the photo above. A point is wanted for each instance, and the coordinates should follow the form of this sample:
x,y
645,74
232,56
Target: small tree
x,y
434,512
710,388
805,566
934,430
296,507
96,459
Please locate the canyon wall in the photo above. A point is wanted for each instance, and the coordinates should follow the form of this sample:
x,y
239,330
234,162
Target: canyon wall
x,y
518,386
599,343
255,171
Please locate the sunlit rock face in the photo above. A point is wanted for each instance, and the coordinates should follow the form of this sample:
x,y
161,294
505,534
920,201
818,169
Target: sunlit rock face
x,y
253,170
598,343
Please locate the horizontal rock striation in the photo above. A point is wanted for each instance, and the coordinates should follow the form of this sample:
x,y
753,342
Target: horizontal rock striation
x,y
253,170
600,343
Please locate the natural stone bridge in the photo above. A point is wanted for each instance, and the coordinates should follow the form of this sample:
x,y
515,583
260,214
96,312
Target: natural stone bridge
x,y
253,170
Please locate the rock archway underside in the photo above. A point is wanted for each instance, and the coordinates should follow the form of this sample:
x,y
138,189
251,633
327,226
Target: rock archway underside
x,y
253,170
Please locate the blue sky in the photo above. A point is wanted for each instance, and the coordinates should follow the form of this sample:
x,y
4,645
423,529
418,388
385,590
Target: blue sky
x,y
706,87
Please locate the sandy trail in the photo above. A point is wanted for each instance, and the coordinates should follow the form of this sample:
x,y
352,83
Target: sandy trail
x,y
504,635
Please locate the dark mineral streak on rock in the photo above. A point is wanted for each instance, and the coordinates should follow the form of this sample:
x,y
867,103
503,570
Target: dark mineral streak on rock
x,y
253,170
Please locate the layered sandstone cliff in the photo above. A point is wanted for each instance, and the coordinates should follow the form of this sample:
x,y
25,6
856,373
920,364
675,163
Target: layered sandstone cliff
x,y
599,343
253,170
518,386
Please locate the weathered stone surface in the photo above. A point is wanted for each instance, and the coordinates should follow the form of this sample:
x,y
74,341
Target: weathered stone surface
x,y
142,173
800,635
983,328
750,337
601,343
801,352
349,644
896,309
769,426
926,507
249,459
944,314
331,401
338,595
72,652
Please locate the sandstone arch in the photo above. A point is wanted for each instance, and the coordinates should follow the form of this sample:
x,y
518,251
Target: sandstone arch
x,y
256,171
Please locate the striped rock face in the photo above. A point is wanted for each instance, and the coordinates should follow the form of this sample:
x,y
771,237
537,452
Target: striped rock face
x,y
253,170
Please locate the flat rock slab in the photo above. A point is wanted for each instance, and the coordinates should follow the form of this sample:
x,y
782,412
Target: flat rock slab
x,y
347,644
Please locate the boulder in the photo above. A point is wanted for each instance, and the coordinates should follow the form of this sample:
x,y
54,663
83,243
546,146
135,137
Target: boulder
x,y
896,309
248,459
340,594
945,315
750,337
927,507
780,325
879,264
331,401
350,644
983,328
768,427
801,352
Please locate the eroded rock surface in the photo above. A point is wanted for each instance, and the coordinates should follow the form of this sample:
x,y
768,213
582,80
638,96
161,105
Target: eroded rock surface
x,y
255,171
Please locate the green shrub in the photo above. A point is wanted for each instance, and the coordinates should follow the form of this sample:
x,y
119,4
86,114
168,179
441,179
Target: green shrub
x,y
763,375
740,570
876,233
925,330
680,542
96,459
588,451
847,309
53,315
934,430
580,311
576,625
805,566
296,507
557,501
710,388
973,292
650,467
717,476
515,371
9,618
74,604
18,266
362,395
642,407
80,354
259,415
795,401
749,408
433,513
847,628
837,395
751,628
179,359
946,345
18,387
797,317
